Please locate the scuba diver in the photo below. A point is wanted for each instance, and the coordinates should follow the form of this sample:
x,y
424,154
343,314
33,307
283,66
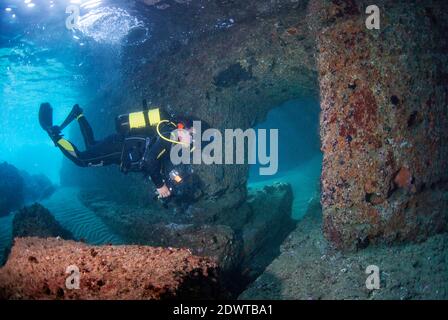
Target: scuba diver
x,y
142,144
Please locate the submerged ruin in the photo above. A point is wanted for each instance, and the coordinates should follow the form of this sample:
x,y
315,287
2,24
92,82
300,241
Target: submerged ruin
x,y
382,94
383,124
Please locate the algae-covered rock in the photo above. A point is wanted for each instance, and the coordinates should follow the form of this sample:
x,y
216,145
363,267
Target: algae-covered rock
x,y
37,221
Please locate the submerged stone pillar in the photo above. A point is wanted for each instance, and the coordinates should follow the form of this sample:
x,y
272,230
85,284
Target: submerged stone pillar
x,y
384,121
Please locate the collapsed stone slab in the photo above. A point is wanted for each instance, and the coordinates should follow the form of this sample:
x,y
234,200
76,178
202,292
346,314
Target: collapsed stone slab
x,y
36,269
156,226
215,241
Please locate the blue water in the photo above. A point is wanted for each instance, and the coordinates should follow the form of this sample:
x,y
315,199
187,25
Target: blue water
x,y
299,155
42,60
34,67
25,84
297,122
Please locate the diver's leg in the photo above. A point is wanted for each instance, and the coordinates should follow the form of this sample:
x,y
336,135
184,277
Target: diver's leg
x,y
105,152
86,130
70,151
74,113
46,122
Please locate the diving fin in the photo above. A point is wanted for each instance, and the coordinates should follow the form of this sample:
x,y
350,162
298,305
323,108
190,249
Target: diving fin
x,y
46,122
46,116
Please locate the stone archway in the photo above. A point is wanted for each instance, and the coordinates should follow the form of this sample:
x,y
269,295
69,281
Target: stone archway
x,y
383,100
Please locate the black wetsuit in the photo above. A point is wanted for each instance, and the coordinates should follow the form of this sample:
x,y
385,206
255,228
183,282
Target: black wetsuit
x,y
113,150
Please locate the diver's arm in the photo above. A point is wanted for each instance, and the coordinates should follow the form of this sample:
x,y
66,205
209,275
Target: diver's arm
x,y
153,165
164,192
156,177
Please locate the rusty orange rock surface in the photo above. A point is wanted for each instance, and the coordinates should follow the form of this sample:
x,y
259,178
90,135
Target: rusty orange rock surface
x,y
384,100
36,269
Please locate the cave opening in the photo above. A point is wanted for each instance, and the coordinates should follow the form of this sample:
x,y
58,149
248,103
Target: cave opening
x,y
299,154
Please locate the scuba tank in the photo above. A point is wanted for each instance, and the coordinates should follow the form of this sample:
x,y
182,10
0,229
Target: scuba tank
x,y
144,121
139,131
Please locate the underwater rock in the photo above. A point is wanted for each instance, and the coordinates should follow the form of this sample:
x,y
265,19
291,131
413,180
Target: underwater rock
x,y
11,188
37,221
403,178
217,242
229,209
42,268
18,187
232,75
156,226
36,186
